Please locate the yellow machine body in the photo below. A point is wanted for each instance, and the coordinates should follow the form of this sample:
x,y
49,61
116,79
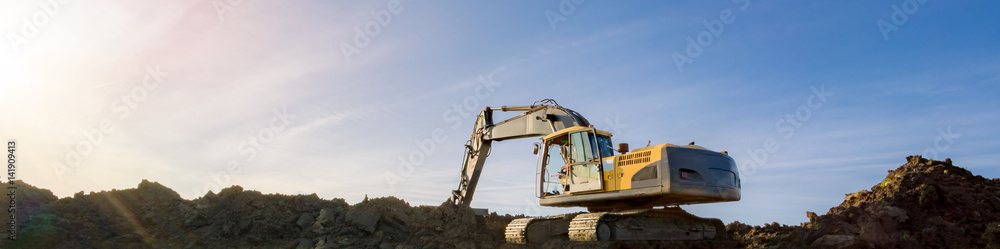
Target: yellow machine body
x,y
657,175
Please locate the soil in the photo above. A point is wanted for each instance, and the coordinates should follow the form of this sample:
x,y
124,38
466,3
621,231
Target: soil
x,y
922,204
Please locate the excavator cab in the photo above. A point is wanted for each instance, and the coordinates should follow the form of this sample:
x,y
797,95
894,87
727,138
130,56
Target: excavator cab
x,y
569,161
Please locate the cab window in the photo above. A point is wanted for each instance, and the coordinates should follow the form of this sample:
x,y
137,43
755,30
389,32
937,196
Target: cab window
x,y
604,143
582,149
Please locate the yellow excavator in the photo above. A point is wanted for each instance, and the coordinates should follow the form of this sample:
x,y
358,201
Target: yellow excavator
x,y
631,195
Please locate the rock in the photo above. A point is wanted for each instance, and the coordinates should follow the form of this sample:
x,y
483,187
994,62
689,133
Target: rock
x,y
466,244
835,241
231,191
304,244
305,221
229,228
897,214
326,215
930,195
326,218
992,236
156,192
195,244
812,216
320,244
397,218
386,245
244,225
196,220
364,218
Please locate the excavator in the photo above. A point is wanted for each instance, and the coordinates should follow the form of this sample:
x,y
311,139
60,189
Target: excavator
x,y
631,195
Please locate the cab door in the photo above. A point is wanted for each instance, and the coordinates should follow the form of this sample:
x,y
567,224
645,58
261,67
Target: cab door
x,y
584,174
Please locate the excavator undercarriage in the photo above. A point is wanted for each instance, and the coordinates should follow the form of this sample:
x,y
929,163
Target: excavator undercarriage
x,y
651,224
671,223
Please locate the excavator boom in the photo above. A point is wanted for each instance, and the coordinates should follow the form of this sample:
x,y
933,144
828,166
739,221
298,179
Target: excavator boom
x,y
539,119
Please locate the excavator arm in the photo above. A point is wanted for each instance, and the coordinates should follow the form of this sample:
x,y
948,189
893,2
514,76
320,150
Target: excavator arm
x,y
539,119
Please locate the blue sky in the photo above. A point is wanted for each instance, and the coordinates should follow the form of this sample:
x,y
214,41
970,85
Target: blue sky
x,y
199,95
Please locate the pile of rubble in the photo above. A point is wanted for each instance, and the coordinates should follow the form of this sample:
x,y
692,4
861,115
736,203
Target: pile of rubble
x,y
155,216
924,203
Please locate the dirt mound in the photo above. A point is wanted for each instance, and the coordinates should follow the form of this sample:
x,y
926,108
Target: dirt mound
x,y
154,216
922,204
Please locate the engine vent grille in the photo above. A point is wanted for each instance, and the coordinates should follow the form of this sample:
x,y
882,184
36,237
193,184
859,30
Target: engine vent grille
x,y
634,158
646,173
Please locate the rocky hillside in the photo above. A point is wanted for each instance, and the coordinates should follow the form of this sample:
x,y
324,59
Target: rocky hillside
x,y
923,203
